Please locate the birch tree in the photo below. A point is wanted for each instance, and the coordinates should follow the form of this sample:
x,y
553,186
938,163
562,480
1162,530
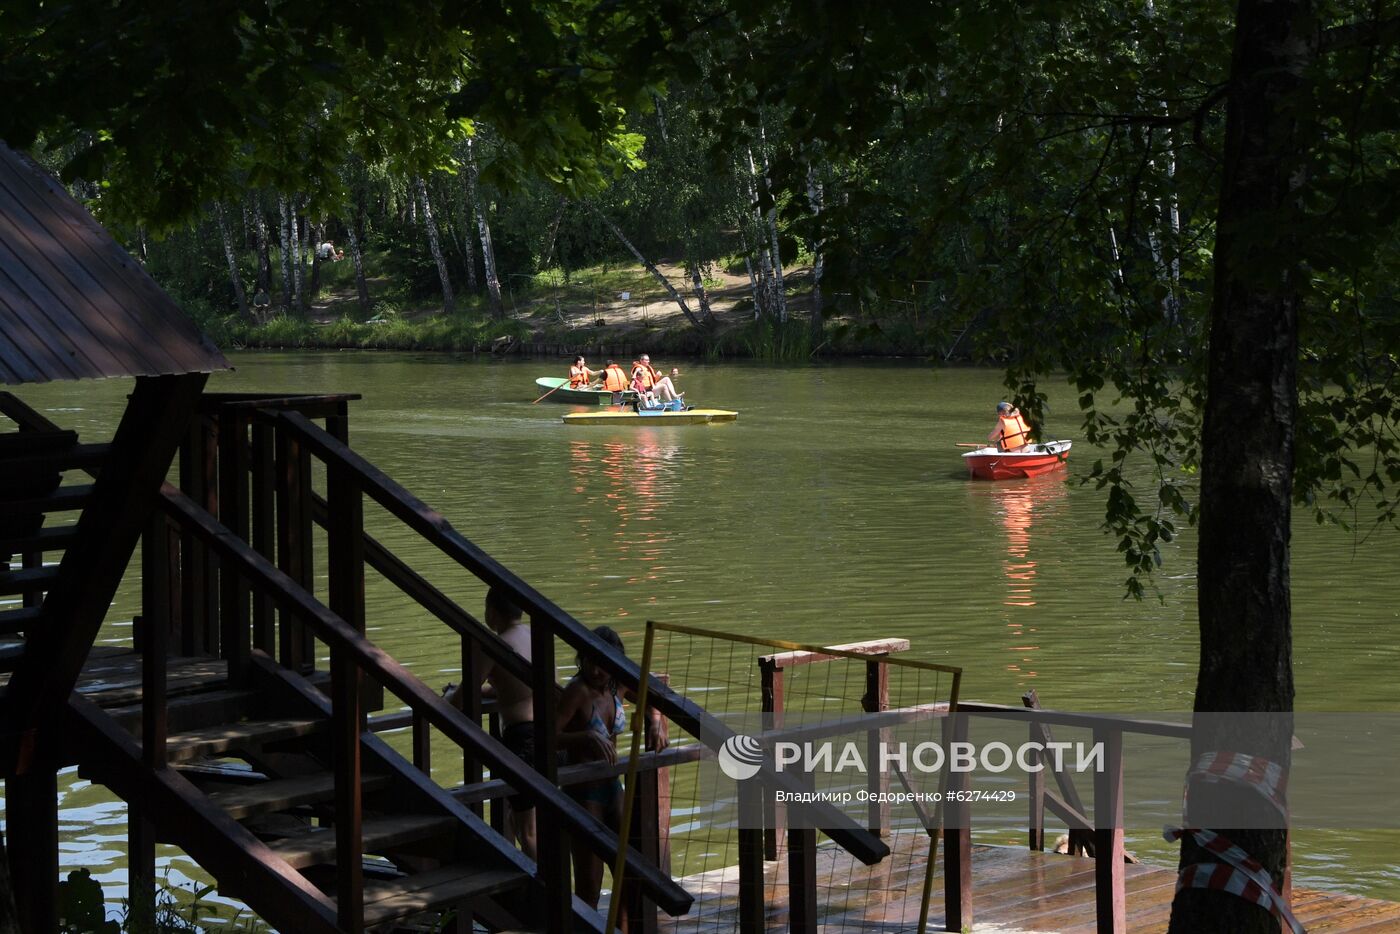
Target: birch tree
x,y
488,253
231,255
434,245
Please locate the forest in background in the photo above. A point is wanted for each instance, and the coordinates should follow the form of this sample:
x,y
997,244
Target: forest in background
x,y
730,231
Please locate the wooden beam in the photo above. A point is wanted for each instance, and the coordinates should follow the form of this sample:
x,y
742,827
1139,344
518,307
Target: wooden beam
x,y
1109,898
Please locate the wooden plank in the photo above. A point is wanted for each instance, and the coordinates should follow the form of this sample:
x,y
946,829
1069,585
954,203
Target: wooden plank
x,y
1085,721
35,441
28,580
249,734
285,793
31,810
52,538
380,835
437,888
235,636
63,499
868,647
13,622
957,839
78,457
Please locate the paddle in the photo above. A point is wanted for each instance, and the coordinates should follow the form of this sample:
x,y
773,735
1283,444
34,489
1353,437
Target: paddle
x,y
560,386
967,444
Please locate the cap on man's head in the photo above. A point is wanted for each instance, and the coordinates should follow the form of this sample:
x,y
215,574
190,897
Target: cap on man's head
x,y
645,357
1003,406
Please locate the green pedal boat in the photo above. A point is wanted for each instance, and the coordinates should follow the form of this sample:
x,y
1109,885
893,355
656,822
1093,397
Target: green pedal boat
x,y
558,391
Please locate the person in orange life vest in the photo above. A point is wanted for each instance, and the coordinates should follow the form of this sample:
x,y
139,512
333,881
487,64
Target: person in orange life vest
x,y
1011,432
651,380
580,375
615,381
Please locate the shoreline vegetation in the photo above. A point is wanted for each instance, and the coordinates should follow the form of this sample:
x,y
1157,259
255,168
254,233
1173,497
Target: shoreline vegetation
x,y
609,308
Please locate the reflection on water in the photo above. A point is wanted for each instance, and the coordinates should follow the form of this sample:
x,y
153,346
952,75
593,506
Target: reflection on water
x,y
1026,510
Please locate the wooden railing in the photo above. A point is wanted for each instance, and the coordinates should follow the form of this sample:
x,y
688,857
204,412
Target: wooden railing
x,y
1105,824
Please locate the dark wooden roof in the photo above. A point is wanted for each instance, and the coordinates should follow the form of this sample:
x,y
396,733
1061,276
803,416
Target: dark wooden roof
x,y
74,304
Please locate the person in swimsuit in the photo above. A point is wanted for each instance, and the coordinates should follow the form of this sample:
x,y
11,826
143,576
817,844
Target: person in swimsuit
x,y
515,706
591,715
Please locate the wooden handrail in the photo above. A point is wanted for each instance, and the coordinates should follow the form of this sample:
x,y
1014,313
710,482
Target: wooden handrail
x,y
431,599
1086,721
374,661
435,528
587,772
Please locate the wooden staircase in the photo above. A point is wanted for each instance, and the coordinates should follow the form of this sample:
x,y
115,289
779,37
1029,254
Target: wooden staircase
x,y
267,773
261,756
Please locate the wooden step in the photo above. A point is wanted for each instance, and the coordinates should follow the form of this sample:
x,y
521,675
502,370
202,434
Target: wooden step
x,y
190,711
283,794
63,499
241,737
11,654
18,620
19,443
53,538
439,888
28,580
378,834
27,467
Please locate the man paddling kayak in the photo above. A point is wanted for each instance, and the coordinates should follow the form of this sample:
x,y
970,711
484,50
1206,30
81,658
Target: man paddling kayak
x,y
1011,432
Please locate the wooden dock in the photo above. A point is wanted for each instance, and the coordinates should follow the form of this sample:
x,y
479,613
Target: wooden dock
x,y
1016,891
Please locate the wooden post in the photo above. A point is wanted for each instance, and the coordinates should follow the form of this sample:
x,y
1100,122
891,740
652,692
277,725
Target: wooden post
x,y
470,694
264,508
155,647
293,543
235,638
31,812
193,565
346,727
957,837
771,679
422,744
207,465
1036,834
876,699
651,835
552,845
1109,897
802,873
752,913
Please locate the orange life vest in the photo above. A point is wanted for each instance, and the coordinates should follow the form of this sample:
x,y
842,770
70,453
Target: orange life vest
x,y
1015,434
614,378
578,376
646,374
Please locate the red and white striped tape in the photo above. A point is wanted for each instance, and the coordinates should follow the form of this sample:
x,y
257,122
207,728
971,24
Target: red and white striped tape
x,y
1239,873
1262,775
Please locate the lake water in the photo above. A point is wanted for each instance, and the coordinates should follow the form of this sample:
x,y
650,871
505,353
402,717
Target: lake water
x,y
834,509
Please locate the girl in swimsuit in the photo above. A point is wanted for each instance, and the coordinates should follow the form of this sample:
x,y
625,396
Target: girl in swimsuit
x,y
591,716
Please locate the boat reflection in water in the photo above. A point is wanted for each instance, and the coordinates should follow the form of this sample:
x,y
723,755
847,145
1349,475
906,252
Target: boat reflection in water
x,y
1023,508
633,481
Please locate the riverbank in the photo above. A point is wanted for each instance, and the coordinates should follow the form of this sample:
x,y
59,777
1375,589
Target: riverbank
x,y
609,312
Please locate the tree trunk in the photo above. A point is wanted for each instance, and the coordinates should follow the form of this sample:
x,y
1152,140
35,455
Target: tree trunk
x,y
656,273
361,285
1248,439
318,237
298,258
284,235
231,255
464,208
553,234
753,287
814,198
779,293
435,245
765,263
698,286
264,283
488,253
